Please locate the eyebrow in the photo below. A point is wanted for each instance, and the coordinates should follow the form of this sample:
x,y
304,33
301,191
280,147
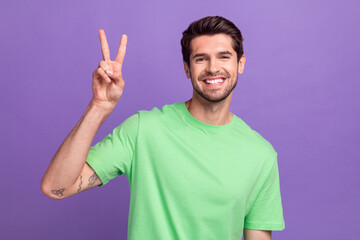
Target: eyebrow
x,y
226,52
204,54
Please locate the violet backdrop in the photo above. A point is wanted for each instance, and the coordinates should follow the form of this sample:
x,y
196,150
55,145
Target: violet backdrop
x,y
299,91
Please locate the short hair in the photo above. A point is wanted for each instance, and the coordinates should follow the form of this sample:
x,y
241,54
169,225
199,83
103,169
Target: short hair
x,y
211,25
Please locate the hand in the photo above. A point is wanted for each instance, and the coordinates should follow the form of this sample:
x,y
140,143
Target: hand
x,y
108,83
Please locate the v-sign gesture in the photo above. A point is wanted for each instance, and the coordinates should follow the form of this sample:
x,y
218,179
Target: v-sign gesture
x,y
68,168
108,83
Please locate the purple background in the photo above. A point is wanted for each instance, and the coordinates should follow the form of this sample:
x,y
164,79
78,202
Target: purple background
x,y
299,91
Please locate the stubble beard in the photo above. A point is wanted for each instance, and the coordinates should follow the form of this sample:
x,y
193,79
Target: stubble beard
x,y
210,98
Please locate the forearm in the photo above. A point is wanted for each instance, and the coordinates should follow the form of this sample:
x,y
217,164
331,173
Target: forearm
x,y
69,160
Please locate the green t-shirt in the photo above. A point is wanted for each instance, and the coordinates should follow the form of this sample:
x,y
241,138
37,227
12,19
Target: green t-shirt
x,y
191,180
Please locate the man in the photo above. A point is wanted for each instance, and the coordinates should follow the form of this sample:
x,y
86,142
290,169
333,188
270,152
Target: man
x,y
195,170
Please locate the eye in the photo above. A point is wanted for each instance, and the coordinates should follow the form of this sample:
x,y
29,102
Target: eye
x,y
200,59
224,57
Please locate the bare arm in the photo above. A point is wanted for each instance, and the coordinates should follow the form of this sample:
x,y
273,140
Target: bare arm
x,y
87,179
251,234
67,171
68,162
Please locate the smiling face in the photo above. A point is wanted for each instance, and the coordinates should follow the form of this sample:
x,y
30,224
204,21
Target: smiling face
x,y
213,67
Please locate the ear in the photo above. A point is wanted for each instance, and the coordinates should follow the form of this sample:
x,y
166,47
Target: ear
x,y
187,70
241,64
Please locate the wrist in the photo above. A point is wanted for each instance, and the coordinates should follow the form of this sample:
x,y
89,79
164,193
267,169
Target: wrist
x,y
104,107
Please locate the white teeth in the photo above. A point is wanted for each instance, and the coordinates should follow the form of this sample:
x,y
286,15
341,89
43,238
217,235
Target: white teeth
x,y
214,81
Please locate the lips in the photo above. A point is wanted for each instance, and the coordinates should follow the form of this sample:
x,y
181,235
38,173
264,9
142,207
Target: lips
x,y
207,76
214,81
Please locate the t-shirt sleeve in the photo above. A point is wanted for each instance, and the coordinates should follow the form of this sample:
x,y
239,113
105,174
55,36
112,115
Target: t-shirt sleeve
x,y
266,212
112,156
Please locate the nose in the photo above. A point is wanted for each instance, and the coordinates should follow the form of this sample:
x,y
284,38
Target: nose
x,y
213,66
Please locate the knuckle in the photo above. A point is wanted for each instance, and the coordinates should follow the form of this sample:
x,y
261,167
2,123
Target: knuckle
x,y
99,71
102,63
95,72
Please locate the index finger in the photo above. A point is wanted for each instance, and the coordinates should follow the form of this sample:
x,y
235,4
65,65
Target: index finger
x,y
122,49
104,45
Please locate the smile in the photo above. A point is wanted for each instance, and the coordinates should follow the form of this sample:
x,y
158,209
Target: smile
x,y
214,81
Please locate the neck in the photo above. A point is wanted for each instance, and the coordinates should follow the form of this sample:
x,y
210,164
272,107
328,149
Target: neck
x,y
214,113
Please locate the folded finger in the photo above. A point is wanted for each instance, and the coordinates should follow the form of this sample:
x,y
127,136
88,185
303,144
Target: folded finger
x,y
107,69
103,75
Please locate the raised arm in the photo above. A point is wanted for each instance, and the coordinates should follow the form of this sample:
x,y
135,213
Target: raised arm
x,y
68,173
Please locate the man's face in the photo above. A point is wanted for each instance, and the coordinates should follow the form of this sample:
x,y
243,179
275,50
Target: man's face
x,y
213,67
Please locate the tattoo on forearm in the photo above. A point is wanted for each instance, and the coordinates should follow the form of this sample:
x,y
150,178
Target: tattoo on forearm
x,y
59,192
92,179
80,183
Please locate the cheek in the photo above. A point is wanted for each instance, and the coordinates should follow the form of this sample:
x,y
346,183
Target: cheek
x,y
231,68
195,71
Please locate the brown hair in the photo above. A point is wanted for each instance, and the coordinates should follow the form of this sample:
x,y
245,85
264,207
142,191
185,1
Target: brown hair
x,y
211,26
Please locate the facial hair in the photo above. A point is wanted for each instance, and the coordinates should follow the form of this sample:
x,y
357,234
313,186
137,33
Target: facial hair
x,y
208,97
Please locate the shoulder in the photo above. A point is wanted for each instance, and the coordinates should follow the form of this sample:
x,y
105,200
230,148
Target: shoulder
x,y
255,139
154,115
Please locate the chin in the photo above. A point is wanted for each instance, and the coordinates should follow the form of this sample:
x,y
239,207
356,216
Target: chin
x,y
212,99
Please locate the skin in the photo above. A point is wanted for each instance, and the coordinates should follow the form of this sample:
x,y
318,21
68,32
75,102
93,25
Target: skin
x,y
69,174
108,83
213,57
251,234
